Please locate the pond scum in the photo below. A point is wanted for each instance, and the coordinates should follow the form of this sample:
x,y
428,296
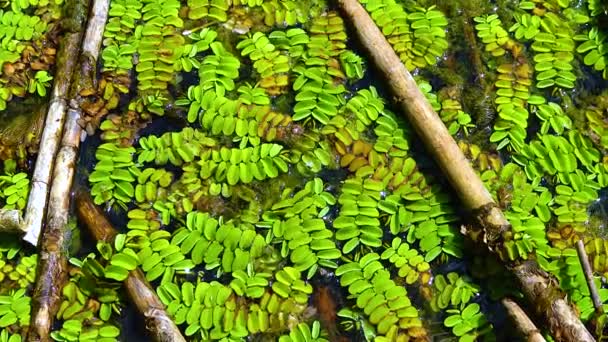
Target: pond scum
x,y
287,202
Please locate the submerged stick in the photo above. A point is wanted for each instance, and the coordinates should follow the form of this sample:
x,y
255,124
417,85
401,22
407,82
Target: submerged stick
x,y
539,287
522,322
158,323
52,270
584,259
53,126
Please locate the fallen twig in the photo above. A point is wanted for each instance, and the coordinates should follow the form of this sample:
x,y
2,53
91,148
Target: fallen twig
x,y
159,324
52,270
538,286
584,259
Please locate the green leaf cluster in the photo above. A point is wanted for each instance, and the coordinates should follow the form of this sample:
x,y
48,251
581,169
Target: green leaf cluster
x,y
74,330
358,221
558,156
428,27
247,119
201,42
40,82
16,30
452,291
113,175
249,284
161,258
293,41
431,221
409,263
89,295
224,245
6,336
284,13
122,18
552,117
353,65
288,284
218,71
319,82
23,273
15,308
158,44
213,311
14,189
272,66
513,90
454,117
418,37
232,166
176,148
308,243
211,10
304,333
468,324
594,47
143,220
383,302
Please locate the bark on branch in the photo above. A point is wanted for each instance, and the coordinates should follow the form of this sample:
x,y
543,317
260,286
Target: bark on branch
x,y
158,323
526,328
55,119
540,288
52,269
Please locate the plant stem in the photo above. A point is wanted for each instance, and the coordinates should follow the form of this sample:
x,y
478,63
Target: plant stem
x,y
522,322
584,259
541,289
52,270
53,126
159,324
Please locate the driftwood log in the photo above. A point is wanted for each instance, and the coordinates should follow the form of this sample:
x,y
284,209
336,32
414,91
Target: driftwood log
x,y
540,288
73,24
160,326
52,269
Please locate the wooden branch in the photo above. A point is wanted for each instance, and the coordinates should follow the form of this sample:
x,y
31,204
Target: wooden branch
x,y
10,221
540,288
52,269
526,328
53,126
158,323
584,259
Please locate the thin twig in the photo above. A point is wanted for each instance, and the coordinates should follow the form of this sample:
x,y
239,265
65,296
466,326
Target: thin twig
x,y
588,271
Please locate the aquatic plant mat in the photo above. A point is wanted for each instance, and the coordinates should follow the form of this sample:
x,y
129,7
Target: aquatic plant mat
x,y
258,170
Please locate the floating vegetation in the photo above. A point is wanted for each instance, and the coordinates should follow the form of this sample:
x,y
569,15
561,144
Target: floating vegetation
x,y
263,186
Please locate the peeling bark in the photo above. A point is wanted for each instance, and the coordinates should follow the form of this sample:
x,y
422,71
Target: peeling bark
x,y
52,269
55,119
10,221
